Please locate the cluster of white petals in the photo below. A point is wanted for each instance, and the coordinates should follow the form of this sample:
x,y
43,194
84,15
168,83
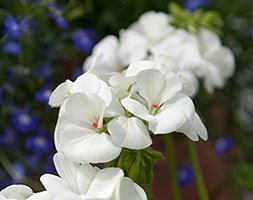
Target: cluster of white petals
x,y
200,55
134,86
78,182
23,192
84,182
98,118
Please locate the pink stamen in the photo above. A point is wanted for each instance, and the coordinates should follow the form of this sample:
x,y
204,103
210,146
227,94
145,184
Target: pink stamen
x,y
154,105
95,125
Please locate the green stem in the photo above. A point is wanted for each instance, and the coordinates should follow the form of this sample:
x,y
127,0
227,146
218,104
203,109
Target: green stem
x,y
197,171
172,165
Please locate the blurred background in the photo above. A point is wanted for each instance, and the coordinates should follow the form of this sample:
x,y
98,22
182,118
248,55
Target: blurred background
x,y
44,42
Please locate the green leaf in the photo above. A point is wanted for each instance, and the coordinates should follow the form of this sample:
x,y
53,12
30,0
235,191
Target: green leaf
x,y
75,13
193,21
244,175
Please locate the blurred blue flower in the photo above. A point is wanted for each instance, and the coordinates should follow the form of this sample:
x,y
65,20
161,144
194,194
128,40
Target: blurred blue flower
x,y
76,72
44,71
23,121
223,144
12,48
8,137
32,161
185,175
18,172
56,14
83,40
13,29
250,32
192,5
38,144
43,95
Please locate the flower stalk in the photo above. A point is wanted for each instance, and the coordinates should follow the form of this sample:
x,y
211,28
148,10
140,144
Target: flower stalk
x,y
173,165
197,171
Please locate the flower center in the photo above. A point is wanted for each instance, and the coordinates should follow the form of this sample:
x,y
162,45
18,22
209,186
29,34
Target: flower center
x,y
154,105
95,125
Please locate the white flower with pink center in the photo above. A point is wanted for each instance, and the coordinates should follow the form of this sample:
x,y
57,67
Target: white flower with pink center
x,y
80,133
162,105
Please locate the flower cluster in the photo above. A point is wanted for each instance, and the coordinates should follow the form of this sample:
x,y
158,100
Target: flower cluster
x,y
98,118
80,182
135,87
200,55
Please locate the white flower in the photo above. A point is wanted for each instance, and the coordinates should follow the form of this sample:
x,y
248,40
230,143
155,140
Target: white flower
x,y
15,192
117,53
83,182
163,106
153,25
219,60
87,83
80,132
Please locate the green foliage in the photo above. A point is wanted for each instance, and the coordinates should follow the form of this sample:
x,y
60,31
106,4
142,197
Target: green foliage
x,y
243,174
193,21
137,164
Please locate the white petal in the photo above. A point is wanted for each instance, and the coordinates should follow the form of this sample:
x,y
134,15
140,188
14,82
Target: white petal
x,y
200,127
165,63
21,192
137,109
223,59
173,114
41,196
78,177
85,109
67,196
105,93
172,86
109,63
54,184
194,128
155,25
86,83
133,46
83,145
127,189
89,83
213,78
60,93
208,39
105,183
131,132
190,83
150,83
138,66
115,109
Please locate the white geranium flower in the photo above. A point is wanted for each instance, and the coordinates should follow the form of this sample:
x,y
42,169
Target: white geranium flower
x,y
80,132
16,192
87,83
153,25
117,53
219,60
83,182
164,107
